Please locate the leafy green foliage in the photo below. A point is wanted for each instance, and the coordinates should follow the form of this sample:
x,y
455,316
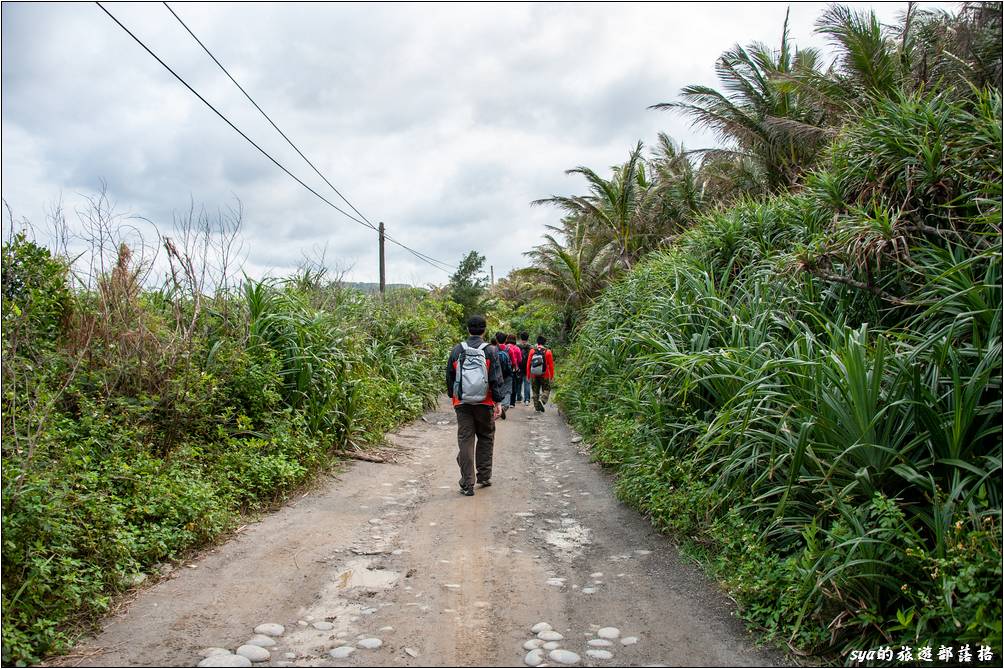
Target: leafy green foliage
x,y
808,387
130,439
467,285
36,297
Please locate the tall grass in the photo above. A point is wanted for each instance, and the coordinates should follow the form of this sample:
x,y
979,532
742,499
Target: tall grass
x,y
139,424
810,387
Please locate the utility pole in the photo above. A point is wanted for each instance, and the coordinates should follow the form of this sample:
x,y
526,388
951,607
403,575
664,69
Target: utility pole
x,y
383,271
492,268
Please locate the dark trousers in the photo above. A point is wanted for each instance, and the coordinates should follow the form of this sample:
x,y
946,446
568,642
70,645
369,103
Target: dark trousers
x,y
476,440
517,389
541,391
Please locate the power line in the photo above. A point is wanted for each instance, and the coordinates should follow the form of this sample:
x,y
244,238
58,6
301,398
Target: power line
x,y
421,256
262,111
228,122
438,264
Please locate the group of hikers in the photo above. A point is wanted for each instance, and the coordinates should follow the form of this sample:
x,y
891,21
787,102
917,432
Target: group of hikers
x,y
484,378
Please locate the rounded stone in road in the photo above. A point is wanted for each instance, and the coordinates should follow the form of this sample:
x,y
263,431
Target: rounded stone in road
x,y
600,654
551,645
341,652
323,625
534,657
564,656
253,653
371,643
540,627
261,640
213,650
629,640
550,635
271,629
608,633
227,660
532,644
600,643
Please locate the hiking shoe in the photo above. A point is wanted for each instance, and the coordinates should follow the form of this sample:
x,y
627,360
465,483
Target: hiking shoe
x,y
503,413
485,484
467,491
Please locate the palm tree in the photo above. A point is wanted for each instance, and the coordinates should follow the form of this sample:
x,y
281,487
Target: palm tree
x,y
677,193
611,212
755,116
571,273
929,49
961,51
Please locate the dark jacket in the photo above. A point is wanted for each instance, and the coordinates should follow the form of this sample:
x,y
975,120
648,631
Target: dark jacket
x,y
524,350
496,384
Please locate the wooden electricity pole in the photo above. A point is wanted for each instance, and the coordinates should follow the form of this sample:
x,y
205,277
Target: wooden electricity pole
x,y
383,271
492,268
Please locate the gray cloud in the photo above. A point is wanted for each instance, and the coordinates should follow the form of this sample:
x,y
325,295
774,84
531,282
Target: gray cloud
x,y
445,121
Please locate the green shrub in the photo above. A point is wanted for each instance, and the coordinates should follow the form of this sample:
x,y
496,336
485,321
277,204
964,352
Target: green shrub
x,y
36,295
808,388
140,439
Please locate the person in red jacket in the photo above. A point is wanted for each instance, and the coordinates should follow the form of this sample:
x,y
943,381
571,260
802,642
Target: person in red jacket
x,y
540,371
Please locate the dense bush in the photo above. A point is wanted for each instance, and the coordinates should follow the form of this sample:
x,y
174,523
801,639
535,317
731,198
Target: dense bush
x,y
809,387
140,424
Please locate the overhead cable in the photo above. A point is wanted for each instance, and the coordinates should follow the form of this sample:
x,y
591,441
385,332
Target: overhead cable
x,y
438,264
262,111
228,122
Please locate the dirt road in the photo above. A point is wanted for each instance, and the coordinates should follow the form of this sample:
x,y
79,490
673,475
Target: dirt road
x,y
392,552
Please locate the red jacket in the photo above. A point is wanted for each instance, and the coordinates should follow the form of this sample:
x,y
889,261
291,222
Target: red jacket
x,y
515,355
548,363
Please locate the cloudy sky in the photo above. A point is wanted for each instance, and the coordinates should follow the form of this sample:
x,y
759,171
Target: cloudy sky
x,y
444,121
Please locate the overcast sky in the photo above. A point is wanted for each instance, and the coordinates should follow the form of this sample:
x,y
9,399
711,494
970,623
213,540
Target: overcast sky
x,y
444,121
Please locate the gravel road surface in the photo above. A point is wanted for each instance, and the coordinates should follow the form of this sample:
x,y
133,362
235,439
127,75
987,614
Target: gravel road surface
x,y
387,565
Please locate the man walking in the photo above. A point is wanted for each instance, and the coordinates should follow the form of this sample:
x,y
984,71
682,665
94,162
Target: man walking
x,y
524,349
505,364
517,369
540,371
474,383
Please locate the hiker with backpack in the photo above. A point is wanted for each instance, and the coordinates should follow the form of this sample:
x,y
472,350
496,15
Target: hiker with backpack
x,y
517,369
540,371
523,390
505,364
474,383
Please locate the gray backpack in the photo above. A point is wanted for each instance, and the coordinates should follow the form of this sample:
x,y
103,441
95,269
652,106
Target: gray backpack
x,y
471,385
537,361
